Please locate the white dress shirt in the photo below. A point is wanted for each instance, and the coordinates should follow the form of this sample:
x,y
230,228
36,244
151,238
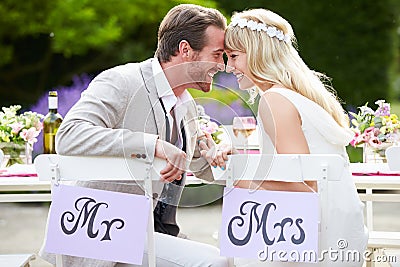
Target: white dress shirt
x,y
171,101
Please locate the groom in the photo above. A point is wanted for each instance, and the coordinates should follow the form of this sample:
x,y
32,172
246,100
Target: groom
x,y
143,110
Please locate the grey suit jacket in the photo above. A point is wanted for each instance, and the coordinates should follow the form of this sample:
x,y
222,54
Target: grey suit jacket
x,y
120,115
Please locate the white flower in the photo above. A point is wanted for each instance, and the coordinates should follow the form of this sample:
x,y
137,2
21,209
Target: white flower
x,y
242,23
252,25
366,110
279,35
271,31
287,38
261,27
234,22
200,110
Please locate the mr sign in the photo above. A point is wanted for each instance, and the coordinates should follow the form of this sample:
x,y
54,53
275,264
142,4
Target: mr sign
x,y
97,224
269,225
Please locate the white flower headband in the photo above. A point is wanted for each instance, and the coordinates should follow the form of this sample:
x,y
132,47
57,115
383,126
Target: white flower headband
x,y
255,26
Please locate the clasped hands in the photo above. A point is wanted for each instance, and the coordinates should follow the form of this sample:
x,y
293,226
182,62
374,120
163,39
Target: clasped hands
x,y
216,156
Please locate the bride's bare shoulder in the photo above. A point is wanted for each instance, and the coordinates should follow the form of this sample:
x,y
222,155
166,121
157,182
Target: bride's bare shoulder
x,y
274,103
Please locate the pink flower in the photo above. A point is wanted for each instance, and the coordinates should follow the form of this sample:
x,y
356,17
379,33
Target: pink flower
x,y
374,142
209,127
353,142
29,135
369,130
203,127
38,125
212,127
356,138
361,138
16,127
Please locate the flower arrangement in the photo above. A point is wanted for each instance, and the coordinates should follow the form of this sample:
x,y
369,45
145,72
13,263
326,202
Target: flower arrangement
x,y
375,128
16,131
208,126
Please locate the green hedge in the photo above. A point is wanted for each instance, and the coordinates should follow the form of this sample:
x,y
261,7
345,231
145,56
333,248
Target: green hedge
x,y
354,42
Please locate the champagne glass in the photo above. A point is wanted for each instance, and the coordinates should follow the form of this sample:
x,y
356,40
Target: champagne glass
x,y
242,128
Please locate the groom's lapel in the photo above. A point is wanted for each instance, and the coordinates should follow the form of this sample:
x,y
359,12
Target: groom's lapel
x,y
159,115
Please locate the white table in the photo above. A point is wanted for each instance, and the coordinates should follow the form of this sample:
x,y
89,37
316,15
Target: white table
x,y
371,181
24,189
378,188
386,184
22,186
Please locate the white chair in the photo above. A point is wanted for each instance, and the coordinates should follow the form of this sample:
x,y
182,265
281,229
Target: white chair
x,y
67,168
393,157
17,260
286,167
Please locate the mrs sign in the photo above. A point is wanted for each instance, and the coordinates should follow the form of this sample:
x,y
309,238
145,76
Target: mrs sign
x,y
271,225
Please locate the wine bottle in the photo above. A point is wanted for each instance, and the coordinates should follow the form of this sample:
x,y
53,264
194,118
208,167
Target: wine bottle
x,y
51,123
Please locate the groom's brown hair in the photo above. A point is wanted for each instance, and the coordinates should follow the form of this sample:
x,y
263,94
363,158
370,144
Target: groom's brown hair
x,y
186,22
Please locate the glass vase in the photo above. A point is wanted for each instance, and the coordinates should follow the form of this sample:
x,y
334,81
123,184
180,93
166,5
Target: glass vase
x,y
16,154
375,154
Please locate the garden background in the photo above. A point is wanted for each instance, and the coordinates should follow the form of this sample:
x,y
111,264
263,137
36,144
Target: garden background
x,y
63,44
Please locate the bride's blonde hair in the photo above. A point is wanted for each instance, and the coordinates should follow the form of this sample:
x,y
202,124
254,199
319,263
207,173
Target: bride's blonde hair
x,y
277,61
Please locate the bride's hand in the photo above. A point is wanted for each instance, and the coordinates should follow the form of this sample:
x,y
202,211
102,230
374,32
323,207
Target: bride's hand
x,y
216,155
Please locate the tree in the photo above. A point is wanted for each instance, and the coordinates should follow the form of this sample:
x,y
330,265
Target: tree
x,y
354,42
44,43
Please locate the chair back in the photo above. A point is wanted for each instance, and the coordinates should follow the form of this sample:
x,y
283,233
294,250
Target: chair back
x,y
57,168
288,168
393,158
84,168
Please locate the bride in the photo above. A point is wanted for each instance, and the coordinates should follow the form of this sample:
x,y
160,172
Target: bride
x,y
298,114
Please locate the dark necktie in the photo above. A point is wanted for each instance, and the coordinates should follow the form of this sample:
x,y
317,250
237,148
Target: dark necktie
x,y
165,211
167,126
173,138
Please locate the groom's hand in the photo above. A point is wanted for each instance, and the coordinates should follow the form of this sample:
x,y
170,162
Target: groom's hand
x,y
176,160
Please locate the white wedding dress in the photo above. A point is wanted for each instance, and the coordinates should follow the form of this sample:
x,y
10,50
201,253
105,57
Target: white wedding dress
x,y
345,212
